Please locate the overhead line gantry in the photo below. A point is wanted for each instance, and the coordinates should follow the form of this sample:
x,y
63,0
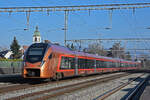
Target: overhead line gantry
x,y
111,39
75,8
66,9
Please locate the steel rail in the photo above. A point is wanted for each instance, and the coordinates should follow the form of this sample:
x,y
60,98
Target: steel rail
x,y
68,88
25,84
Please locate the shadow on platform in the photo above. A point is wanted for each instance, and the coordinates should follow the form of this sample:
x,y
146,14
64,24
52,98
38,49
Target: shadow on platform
x,y
139,92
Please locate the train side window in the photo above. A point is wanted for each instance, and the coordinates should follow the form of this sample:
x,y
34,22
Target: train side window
x,y
135,65
113,64
100,64
81,63
85,63
108,64
105,64
125,65
117,64
121,65
90,64
67,63
72,62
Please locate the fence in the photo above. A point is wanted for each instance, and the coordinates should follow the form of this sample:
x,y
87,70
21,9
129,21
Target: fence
x,y
10,66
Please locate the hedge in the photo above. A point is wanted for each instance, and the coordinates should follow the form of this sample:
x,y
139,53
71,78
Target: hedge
x,y
11,62
11,59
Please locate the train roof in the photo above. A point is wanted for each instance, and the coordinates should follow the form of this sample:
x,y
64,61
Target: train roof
x,y
65,50
68,51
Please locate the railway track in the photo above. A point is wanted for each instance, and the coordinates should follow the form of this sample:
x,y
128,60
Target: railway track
x,y
128,96
25,84
57,91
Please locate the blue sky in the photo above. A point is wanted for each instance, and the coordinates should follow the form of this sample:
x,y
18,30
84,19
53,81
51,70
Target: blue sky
x,y
81,25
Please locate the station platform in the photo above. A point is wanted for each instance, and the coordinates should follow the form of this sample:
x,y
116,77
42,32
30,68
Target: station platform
x,y
146,93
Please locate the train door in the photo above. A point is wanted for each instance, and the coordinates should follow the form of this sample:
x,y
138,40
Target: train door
x,y
76,66
95,66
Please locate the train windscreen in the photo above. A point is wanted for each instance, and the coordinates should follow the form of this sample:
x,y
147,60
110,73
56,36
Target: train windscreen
x,y
36,52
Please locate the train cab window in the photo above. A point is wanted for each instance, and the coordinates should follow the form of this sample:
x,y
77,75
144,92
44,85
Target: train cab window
x,y
67,63
36,52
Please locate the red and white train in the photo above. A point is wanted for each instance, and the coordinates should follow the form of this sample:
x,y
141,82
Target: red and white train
x,y
46,60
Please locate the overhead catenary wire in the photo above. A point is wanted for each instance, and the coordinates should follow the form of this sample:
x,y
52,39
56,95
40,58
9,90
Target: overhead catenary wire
x,y
75,8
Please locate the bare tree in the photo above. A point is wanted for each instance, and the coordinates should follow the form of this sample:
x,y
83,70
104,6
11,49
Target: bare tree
x,y
116,51
145,59
128,56
96,48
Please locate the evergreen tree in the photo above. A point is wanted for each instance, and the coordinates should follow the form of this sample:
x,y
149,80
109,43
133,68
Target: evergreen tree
x,y
15,49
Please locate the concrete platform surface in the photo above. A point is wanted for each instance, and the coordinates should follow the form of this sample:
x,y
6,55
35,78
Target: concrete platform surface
x,y
146,94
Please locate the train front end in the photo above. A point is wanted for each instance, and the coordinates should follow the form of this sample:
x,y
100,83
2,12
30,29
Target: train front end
x,y
35,61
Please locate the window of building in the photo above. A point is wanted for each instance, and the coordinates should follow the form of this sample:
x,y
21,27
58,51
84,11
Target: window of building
x,y
35,39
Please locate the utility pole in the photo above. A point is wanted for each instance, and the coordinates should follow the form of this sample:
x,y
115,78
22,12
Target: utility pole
x,y
135,52
65,27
